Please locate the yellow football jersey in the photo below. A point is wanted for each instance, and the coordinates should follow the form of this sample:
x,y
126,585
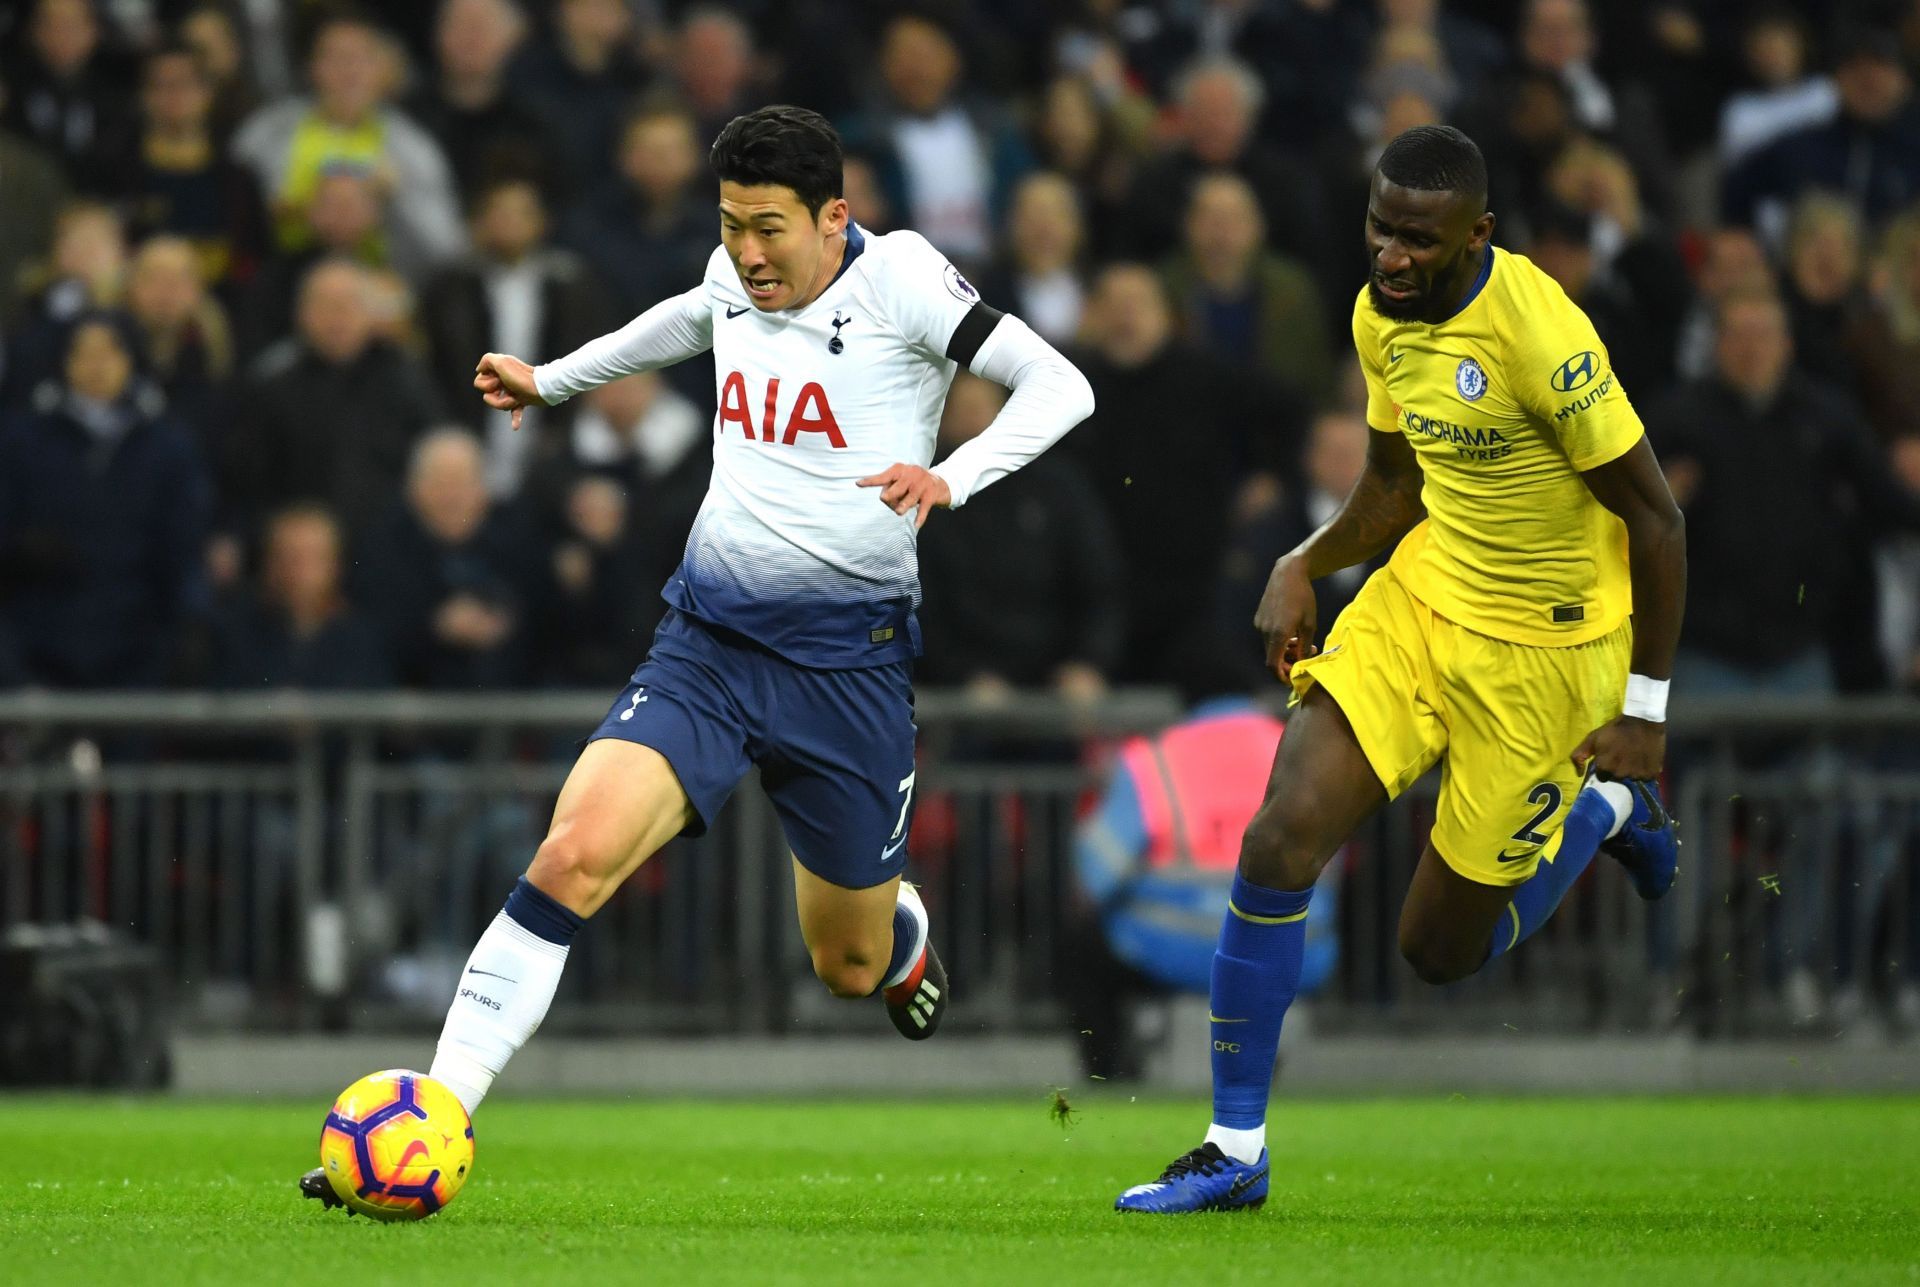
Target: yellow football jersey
x,y
1505,403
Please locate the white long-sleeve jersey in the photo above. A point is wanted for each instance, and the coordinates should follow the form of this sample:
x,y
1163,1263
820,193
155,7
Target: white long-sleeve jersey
x,y
786,550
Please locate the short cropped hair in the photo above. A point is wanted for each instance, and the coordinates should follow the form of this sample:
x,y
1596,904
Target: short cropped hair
x,y
1436,158
784,145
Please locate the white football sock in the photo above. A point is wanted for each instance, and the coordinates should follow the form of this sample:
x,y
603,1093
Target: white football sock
x,y
910,899
1620,797
1241,1146
503,995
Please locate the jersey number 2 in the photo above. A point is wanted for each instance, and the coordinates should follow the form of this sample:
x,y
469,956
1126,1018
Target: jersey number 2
x,y
1547,796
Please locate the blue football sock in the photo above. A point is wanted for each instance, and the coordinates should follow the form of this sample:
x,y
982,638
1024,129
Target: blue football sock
x,y
1256,970
1589,820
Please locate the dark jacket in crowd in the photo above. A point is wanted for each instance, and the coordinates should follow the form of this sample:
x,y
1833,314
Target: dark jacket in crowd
x,y
1789,498
1165,451
101,537
308,429
255,646
501,137
1876,165
404,575
1022,579
457,315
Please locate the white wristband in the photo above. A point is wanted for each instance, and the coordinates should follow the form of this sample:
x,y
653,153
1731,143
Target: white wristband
x,y
1646,699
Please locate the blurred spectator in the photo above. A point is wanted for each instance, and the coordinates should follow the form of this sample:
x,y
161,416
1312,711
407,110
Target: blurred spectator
x,y
1637,303
713,69
1153,867
1079,135
1827,303
1523,122
330,413
867,202
1787,96
296,629
1217,104
1269,521
34,190
87,269
1054,616
1165,450
1039,276
1732,263
345,219
1241,302
948,159
446,574
1557,37
1471,50
183,332
1898,566
484,131
221,51
513,294
1870,153
1890,335
173,175
650,232
656,445
1783,492
66,90
103,511
349,123
581,77
600,614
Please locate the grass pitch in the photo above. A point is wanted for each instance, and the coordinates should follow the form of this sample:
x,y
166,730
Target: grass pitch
x,y
1692,1191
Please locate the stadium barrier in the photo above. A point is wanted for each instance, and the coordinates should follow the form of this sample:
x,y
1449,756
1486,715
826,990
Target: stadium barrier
x,y
304,861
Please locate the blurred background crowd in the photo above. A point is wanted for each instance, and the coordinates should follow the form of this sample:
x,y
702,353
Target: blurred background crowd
x,y
251,249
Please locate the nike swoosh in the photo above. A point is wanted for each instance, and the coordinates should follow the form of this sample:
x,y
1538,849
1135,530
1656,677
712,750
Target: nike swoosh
x,y
1244,1183
1214,1018
1524,853
490,974
892,849
735,312
1394,357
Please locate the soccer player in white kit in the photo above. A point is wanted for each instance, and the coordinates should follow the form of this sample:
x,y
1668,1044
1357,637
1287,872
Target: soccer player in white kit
x,y
791,634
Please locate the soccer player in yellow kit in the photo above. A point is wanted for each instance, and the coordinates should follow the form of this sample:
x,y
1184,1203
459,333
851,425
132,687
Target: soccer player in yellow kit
x,y
1521,635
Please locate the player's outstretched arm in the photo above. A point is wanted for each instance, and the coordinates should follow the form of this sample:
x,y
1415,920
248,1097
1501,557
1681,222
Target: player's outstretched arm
x,y
1632,487
1383,506
1050,396
673,330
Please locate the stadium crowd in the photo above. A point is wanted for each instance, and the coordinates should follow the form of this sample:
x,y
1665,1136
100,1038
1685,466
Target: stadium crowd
x,y
250,253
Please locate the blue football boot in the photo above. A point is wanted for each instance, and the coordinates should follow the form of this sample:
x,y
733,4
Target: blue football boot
x,y
1204,1179
1647,846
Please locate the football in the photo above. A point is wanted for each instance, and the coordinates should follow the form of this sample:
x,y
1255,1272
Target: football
x,y
397,1145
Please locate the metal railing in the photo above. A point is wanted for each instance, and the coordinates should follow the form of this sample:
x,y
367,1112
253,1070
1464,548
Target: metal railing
x,y
307,860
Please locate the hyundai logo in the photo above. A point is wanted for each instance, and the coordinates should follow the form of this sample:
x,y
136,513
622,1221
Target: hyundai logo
x,y
1576,372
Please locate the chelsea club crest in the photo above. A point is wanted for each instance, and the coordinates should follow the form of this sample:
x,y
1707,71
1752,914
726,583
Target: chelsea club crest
x,y
1470,379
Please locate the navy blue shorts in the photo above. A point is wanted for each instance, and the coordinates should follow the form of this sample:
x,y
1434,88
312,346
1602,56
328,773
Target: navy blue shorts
x,y
834,747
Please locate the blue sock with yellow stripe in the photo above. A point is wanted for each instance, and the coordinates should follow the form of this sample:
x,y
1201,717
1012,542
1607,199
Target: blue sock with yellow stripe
x,y
1256,970
1589,820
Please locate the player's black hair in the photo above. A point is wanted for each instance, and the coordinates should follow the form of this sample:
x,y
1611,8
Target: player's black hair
x,y
784,145
1436,158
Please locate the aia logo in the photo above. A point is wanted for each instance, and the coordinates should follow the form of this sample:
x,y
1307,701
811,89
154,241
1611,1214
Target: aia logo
x,y
809,412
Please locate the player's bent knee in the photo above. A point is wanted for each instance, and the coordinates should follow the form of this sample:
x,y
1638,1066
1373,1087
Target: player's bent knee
x,y
848,972
1280,849
572,868
1437,963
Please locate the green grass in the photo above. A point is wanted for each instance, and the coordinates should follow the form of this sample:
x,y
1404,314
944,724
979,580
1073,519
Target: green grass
x,y
1480,1192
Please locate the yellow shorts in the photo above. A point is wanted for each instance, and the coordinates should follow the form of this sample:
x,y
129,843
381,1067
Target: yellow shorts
x,y
1504,716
